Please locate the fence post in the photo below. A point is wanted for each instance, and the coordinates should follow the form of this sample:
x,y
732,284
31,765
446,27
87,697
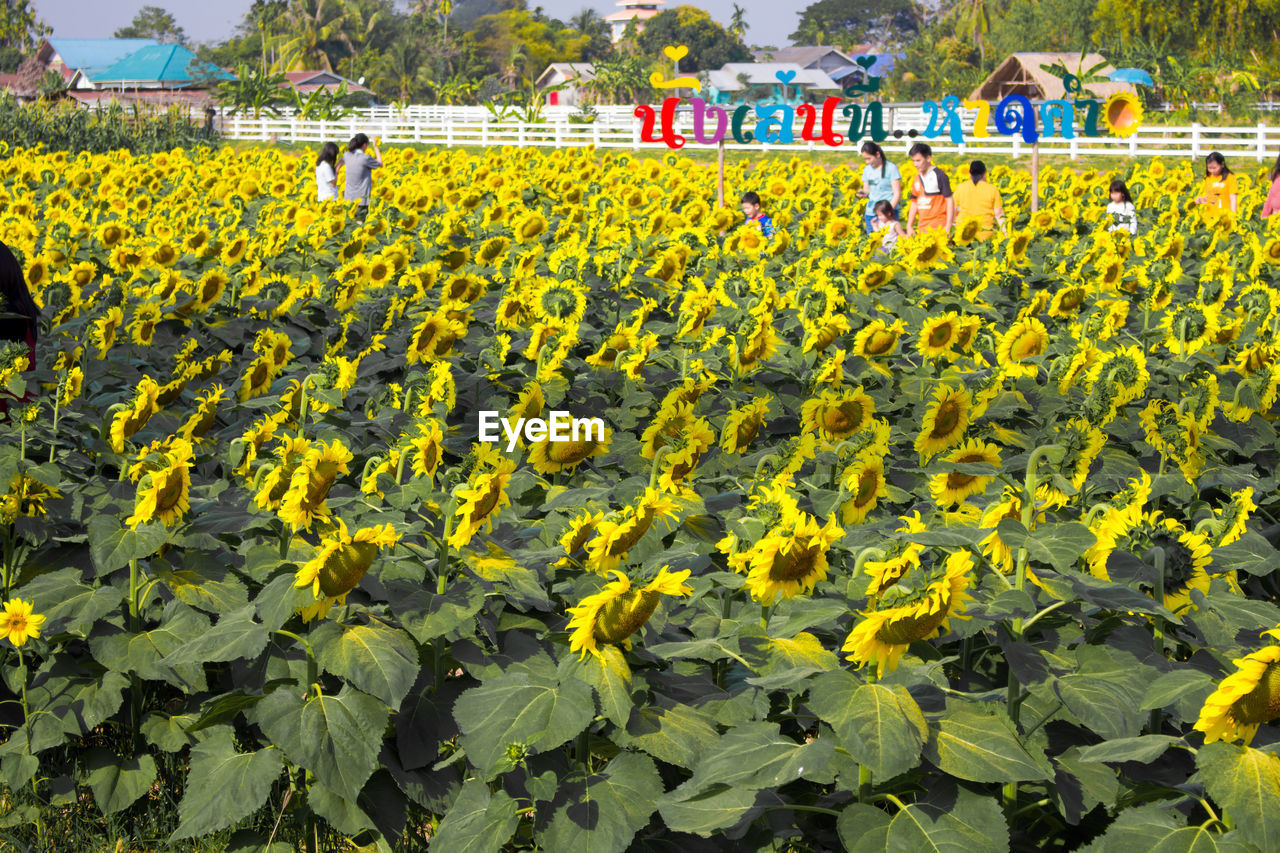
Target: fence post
x,y
1075,147
520,126
1017,147
595,132
635,136
1262,142
484,130
1133,144
1195,140
448,132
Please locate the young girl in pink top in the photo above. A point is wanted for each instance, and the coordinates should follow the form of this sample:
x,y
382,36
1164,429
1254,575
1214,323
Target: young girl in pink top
x,y
1272,204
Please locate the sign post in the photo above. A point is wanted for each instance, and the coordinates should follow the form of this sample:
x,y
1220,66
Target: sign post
x,y
1035,177
720,170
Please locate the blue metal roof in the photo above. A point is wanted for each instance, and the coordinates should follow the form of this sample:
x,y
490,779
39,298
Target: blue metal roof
x,y
95,54
156,63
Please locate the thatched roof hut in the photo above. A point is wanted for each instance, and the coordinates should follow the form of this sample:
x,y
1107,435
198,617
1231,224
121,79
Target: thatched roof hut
x,y
1021,74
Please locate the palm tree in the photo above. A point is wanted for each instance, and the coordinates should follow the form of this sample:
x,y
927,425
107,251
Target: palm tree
x,y
516,57
738,23
399,69
973,22
310,24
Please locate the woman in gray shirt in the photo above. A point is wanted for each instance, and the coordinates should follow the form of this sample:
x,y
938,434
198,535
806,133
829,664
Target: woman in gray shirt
x,y
359,166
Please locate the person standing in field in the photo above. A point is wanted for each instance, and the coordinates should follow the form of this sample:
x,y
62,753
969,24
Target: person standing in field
x,y
20,326
752,213
360,165
1124,216
1272,204
327,173
932,204
979,199
1219,186
881,181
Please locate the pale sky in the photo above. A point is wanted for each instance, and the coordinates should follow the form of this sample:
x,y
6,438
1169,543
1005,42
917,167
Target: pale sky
x,y
768,22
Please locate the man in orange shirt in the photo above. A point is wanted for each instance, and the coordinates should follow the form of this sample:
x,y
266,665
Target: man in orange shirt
x,y
931,199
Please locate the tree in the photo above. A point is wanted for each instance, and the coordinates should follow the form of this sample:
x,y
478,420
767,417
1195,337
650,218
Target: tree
x,y
315,28
19,27
152,22
589,23
710,45
738,23
621,79
850,22
972,19
517,44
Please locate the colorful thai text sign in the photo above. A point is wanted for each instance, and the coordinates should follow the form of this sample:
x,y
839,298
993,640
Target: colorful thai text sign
x,y
833,121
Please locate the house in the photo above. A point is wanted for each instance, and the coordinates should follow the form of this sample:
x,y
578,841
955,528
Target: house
x,y
752,82
632,10
821,57
66,57
159,74
573,76
306,82
1021,74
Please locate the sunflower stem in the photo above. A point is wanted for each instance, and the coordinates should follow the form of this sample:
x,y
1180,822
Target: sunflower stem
x,y
864,772
1158,626
657,464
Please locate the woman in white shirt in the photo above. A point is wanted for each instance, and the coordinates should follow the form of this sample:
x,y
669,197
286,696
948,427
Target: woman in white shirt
x,y
327,173
1124,216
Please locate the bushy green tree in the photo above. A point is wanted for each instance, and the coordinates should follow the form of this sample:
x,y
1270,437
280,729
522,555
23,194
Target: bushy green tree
x,y
518,44
153,22
710,45
850,22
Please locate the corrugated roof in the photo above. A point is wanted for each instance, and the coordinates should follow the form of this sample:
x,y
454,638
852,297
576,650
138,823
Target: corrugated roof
x,y
157,63
725,79
1021,74
95,53
803,56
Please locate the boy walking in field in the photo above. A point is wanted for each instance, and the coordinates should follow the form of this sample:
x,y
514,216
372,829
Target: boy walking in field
x,y
751,210
931,199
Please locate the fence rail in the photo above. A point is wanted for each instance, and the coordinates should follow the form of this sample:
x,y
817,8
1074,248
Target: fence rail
x,y
1260,142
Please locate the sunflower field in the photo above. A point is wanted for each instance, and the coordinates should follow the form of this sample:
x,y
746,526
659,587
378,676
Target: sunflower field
x,y
968,547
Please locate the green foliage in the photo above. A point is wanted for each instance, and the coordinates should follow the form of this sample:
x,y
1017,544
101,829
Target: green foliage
x,y
153,22
68,127
710,45
846,23
253,91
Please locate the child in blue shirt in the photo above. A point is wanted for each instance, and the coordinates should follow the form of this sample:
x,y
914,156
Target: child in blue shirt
x,y
751,210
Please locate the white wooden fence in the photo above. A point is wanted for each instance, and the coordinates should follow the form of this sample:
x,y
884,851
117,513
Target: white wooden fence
x,y
617,127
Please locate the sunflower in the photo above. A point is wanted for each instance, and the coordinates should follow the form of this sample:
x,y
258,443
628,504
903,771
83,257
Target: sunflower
x,y
944,422
1025,339
1185,562
956,486
559,302
615,344
256,379
163,491
1067,301
19,622
915,608
612,615
135,415
483,496
903,554
618,532
874,276
836,415
304,500
425,449
105,328
877,340
575,536
1188,327
340,561
1009,506
743,424
865,482
201,420
938,335
433,338
1231,519
529,227
551,457
791,558
26,497
1245,699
